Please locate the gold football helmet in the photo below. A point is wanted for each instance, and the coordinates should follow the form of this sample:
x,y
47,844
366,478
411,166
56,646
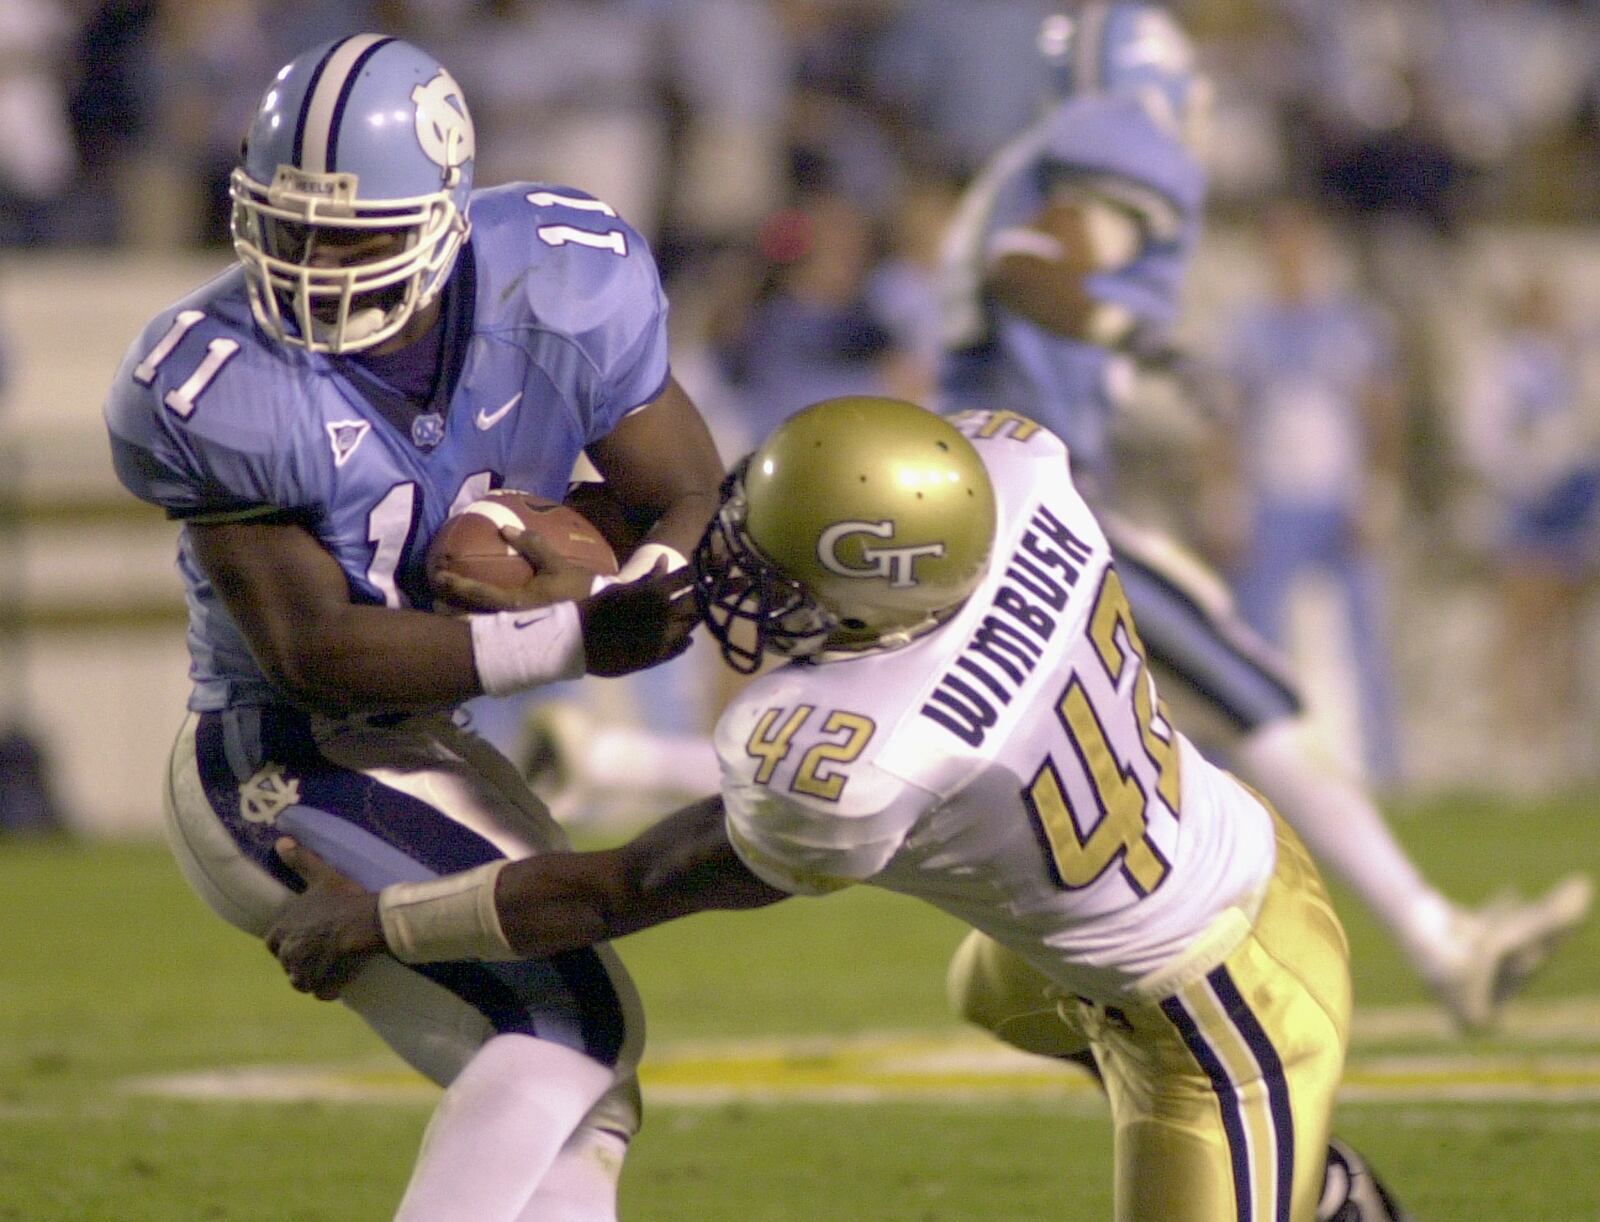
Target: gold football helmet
x,y
860,524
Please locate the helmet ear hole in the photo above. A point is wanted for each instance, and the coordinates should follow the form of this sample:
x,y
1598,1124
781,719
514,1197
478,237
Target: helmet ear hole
x,y
854,624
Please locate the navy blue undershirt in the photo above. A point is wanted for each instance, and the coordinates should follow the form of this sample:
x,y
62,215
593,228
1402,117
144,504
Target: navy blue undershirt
x,y
421,377
410,372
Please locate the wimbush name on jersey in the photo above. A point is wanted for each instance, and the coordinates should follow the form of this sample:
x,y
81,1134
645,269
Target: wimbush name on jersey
x,y
1009,641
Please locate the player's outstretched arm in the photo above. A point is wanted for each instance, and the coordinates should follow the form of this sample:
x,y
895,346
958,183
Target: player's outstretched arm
x,y
532,908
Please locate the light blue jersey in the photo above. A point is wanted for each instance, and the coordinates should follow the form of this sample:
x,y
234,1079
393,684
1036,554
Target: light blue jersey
x,y
1109,146
1303,371
554,328
1101,145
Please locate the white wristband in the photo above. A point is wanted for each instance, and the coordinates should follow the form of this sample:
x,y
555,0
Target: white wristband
x,y
1113,234
514,650
1022,240
448,918
1108,325
644,559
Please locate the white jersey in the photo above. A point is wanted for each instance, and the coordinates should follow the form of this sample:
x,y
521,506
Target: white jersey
x,y
1014,768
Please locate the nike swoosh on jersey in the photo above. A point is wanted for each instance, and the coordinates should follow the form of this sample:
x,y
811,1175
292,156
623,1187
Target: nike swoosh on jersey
x,y
487,420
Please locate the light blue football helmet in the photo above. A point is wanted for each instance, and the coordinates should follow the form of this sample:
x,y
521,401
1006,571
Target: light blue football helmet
x,y
1128,49
363,137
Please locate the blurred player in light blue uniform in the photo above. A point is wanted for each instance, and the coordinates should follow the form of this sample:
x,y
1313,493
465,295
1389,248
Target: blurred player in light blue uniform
x,y
1531,430
1320,449
1063,266
1122,142
391,347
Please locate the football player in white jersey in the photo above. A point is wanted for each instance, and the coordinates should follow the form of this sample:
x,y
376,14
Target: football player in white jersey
x,y
1064,261
968,718
390,346
1066,257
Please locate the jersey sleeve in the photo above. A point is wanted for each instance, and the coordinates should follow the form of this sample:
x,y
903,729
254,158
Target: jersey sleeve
x,y
589,291
806,847
809,810
1005,438
198,427
1112,148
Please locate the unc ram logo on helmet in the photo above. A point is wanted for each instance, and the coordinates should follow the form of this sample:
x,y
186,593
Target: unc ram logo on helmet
x,y
409,174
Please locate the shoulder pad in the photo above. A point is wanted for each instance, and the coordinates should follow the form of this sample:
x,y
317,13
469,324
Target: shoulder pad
x,y
1009,432
200,408
562,258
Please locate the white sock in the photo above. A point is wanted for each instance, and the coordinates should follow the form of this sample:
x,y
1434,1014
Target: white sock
x,y
498,1130
581,1185
630,757
1345,831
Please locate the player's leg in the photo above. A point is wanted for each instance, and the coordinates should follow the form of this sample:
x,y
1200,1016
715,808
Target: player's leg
x,y
1471,960
581,1185
1222,1088
527,1050
499,1129
995,988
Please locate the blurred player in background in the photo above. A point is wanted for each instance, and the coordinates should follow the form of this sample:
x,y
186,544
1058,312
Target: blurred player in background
x,y
1531,430
391,346
1064,264
967,718
1319,449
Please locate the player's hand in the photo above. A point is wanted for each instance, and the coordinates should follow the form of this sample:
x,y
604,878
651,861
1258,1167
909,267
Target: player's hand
x,y
555,579
329,931
636,624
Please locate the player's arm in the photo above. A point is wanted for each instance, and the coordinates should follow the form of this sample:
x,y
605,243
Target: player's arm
x,y
291,600
662,469
1041,270
536,907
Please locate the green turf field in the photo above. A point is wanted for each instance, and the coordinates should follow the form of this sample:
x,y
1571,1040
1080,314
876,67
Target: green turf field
x,y
802,1065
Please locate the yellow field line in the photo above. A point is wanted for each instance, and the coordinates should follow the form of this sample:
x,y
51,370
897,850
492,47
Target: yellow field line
x,y
962,1065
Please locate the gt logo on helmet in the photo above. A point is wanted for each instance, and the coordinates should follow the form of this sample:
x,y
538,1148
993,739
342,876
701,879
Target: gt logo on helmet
x,y
898,564
443,128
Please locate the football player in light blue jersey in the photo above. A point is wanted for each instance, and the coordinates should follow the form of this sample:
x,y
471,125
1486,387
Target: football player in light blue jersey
x,y
392,346
1072,242
1063,261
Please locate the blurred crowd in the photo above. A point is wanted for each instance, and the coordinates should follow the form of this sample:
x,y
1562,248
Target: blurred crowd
x,y
698,117
794,163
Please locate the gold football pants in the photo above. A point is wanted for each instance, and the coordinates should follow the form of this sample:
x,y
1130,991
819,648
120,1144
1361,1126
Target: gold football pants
x,y
1222,1091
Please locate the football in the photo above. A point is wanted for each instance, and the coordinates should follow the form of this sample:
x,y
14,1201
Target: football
x,y
469,545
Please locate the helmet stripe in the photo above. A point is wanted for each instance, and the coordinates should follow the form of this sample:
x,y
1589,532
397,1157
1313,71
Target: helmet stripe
x,y
337,122
329,88
1090,49
305,105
